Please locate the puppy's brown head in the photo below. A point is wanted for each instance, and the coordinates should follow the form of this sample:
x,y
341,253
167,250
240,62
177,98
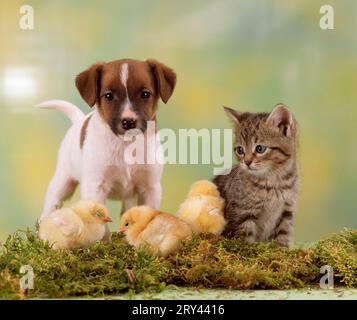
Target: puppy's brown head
x,y
126,91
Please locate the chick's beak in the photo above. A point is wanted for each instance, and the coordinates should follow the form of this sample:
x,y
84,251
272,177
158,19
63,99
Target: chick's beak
x,y
121,229
107,219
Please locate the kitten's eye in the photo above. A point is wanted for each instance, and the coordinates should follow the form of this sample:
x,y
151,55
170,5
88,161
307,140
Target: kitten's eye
x,y
109,96
260,149
239,150
145,94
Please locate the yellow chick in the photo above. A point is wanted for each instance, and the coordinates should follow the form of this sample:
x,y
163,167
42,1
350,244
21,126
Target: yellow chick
x,y
76,227
203,209
160,232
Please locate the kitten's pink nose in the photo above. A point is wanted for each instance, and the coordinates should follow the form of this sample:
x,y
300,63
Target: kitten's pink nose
x,y
248,162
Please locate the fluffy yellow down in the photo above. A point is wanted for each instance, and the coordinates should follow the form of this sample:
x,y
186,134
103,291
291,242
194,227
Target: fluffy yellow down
x,y
158,231
203,209
76,227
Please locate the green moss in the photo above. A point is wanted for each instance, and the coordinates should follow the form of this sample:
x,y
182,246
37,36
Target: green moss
x,y
205,261
340,252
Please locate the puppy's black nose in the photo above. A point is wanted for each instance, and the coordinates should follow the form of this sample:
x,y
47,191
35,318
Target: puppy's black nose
x,y
128,123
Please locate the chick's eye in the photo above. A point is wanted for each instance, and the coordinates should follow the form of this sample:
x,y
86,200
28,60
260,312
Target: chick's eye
x,y
260,149
145,94
239,150
127,224
109,96
99,214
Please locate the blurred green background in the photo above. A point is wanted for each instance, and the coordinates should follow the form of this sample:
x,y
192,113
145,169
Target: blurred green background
x,y
246,54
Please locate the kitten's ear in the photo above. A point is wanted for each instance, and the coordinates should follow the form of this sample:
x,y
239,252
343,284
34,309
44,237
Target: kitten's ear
x,y
234,115
282,119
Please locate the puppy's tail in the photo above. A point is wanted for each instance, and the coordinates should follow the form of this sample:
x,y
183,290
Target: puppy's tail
x,y
69,109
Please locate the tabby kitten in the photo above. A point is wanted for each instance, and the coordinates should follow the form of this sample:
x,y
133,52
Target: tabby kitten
x,y
261,191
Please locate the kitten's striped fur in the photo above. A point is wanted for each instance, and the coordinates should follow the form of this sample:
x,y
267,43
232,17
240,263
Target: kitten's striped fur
x,y
261,191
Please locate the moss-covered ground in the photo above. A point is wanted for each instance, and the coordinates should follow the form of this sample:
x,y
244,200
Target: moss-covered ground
x,y
205,262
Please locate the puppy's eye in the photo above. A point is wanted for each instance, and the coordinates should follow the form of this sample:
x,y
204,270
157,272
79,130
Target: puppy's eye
x,y
239,150
109,96
145,94
260,149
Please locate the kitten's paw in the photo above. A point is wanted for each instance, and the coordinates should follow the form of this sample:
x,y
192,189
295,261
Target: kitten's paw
x,y
284,240
250,239
248,230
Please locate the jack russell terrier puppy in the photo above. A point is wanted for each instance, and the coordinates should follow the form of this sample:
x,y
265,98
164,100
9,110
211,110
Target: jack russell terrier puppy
x,y
124,94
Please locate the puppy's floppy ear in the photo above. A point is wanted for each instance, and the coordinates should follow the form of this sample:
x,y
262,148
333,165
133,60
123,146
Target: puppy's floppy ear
x,y
234,115
165,79
88,83
282,119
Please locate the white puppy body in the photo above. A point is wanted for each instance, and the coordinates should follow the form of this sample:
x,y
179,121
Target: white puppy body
x,y
99,166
